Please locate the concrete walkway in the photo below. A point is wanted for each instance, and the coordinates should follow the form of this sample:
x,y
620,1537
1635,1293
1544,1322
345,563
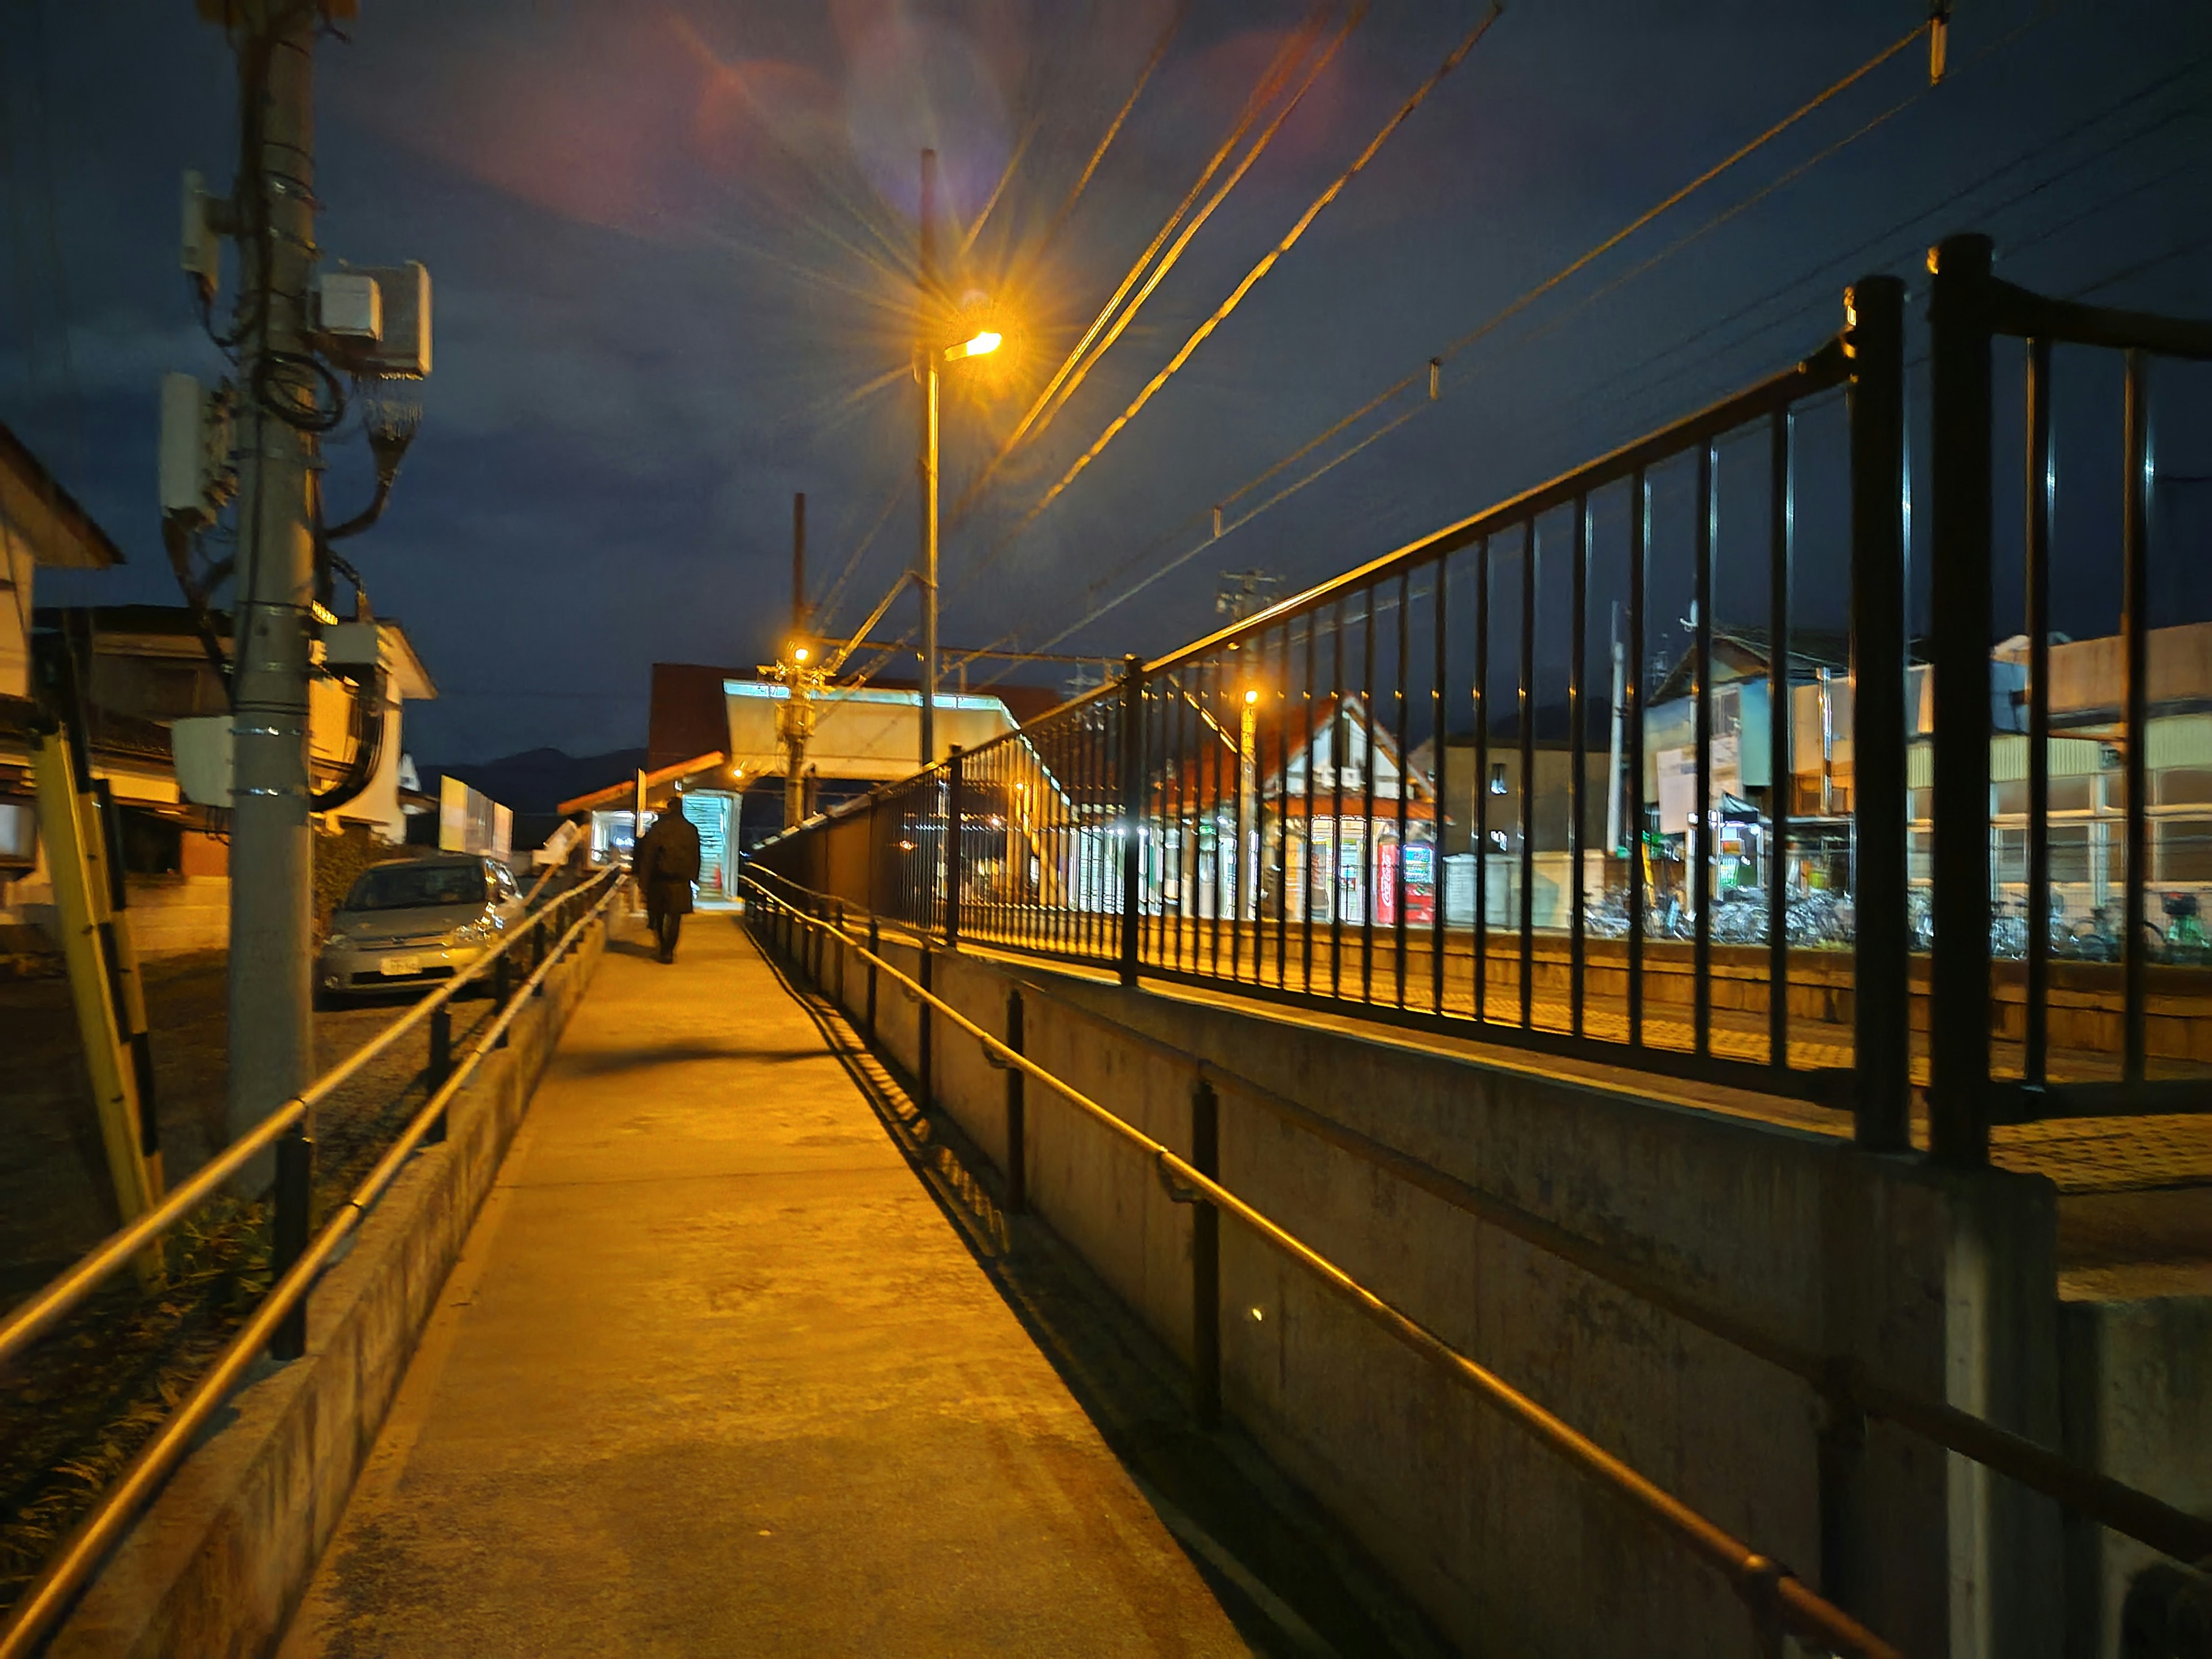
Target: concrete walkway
x,y
715,1376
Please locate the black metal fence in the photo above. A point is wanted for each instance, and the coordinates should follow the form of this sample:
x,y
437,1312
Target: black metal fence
x,y
1413,791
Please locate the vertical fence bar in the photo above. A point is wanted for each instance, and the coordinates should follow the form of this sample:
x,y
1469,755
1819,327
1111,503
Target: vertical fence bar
x,y
956,836
1370,861
440,1065
1577,811
1700,839
1881,950
925,1032
1311,742
1187,806
1437,796
1131,791
1210,678
875,950
296,1177
842,943
1206,1259
1282,775
1531,549
1017,1180
1404,766
1780,502
503,987
1340,730
1481,781
2035,1059
1639,528
2135,634
1959,972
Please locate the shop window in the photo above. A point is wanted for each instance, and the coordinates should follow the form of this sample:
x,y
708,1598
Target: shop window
x,y
2070,794
1498,777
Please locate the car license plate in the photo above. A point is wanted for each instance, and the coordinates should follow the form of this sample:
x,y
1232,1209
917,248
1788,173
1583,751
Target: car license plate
x,y
399,967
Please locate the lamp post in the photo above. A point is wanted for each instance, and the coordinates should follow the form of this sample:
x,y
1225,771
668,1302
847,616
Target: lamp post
x,y
932,359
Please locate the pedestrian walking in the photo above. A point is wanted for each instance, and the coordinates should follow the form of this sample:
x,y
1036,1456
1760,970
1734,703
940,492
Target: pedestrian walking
x,y
664,865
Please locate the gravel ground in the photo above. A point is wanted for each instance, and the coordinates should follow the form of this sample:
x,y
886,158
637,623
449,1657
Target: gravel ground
x,y
86,1396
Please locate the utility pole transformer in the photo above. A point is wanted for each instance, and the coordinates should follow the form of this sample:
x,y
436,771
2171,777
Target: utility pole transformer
x,y
271,845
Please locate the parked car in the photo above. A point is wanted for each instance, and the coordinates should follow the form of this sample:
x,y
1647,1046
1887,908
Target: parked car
x,y
416,922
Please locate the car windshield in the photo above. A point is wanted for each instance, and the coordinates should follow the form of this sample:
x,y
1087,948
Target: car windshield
x,y
417,887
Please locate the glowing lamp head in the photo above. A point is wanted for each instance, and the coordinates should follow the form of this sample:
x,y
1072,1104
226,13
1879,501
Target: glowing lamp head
x,y
1251,698
981,345
798,654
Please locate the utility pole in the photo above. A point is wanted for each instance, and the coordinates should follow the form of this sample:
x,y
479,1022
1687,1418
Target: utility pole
x,y
926,362
800,618
272,849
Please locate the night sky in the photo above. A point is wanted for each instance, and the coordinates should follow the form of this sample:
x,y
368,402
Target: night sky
x,y
673,244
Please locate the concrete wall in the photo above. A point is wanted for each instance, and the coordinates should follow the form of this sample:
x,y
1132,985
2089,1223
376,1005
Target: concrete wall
x,y
2138,1404
217,1565
1942,1283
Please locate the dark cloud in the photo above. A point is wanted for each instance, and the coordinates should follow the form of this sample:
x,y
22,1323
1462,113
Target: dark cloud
x,y
671,246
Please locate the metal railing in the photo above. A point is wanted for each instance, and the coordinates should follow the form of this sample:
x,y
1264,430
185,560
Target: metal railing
x,y
1851,1395
1777,1601
1388,793
277,1325
1969,309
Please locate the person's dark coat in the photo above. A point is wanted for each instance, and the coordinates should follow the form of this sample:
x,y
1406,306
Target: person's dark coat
x,y
666,863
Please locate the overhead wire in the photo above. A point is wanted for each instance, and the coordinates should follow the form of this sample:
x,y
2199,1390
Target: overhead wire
x,y
1264,91
1267,263
1409,381
1060,216
828,607
1120,326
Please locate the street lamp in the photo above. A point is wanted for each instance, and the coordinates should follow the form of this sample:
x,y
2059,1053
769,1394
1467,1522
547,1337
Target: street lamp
x,y
932,360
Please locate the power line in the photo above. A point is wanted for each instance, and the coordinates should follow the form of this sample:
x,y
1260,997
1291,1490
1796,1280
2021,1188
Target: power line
x,y
1263,92
1513,308
1198,335
828,604
1410,380
1060,218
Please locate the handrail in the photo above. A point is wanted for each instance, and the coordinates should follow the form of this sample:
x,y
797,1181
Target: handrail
x,y
1767,1588
66,1572
25,1322
2125,1510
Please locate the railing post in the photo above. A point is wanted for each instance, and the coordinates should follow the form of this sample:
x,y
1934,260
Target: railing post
x,y
1017,1193
540,947
1206,1259
503,988
841,942
925,1024
875,950
1959,313
954,810
440,1068
1881,948
296,1177
1132,780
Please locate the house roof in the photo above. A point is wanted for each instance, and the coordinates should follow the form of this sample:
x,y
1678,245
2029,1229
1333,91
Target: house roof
x,y
33,505
113,625
624,793
1742,653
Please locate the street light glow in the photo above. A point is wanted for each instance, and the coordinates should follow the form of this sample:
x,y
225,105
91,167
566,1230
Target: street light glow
x,y
982,345
798,654
1252,697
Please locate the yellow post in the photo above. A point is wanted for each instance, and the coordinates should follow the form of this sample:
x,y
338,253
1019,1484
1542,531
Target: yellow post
x,y
80,897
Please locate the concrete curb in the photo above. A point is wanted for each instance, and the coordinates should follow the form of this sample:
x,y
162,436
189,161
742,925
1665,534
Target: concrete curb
x,y
217,1565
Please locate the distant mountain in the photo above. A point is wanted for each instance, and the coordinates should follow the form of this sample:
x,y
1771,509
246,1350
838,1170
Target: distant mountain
x,y
535,782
